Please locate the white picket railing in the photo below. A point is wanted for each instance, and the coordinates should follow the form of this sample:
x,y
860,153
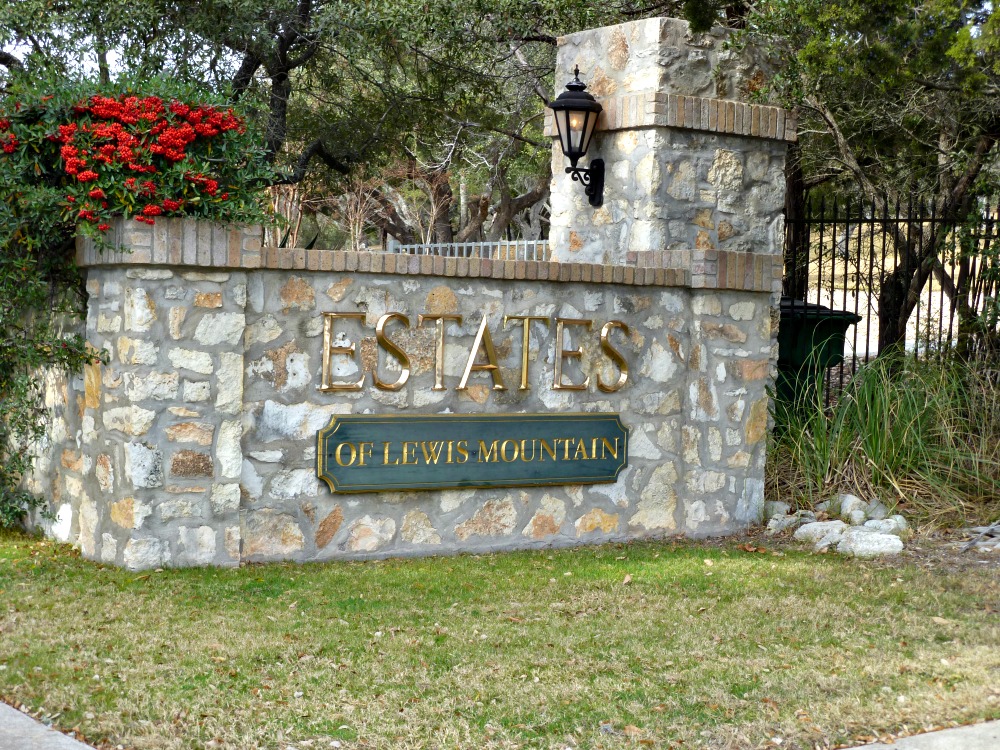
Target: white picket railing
x,y
499,250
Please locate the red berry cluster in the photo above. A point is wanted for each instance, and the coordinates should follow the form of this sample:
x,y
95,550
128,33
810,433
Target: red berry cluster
x,y
142,135
8,141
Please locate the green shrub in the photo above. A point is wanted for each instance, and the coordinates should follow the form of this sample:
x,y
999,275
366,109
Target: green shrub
x,y
921,436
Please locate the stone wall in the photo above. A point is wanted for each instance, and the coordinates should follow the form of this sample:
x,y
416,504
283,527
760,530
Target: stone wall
x,y
196,443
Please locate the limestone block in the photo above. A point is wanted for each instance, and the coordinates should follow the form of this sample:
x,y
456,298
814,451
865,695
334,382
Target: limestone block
x,y
368,534
197,544
105,473
195,391
88,526
233,542
143,554
228,451
137,351
596,519
229,399
417,528
109,548
220,328
294,483
269,533
157,386
547,520
495,518
140,310
63,523
131,420
658,506
191,432
225,498
188,359
180,507
263,331
144,465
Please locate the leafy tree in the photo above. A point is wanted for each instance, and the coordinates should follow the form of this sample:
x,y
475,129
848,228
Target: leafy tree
x,y
899,100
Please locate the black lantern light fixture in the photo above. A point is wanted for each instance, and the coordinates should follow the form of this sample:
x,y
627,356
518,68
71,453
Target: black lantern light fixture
x,y
576,114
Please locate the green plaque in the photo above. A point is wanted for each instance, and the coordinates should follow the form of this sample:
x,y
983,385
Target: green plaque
x,y
385,452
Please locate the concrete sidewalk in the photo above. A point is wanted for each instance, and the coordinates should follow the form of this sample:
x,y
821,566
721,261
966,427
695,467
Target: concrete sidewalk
x,y
20,732
975,737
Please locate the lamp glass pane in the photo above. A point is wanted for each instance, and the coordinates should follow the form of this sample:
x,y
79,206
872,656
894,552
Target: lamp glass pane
x,y
588,131
562,125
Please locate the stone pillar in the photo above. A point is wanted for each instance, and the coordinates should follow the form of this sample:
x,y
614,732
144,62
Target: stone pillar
x,y
692,169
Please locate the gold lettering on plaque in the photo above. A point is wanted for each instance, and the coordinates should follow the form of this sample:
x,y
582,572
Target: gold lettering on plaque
x,y
329,350
525,342
438,345
391,347
484,341
563,353
614,355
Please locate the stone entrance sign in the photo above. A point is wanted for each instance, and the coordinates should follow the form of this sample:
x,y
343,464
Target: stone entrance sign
x,y
197,442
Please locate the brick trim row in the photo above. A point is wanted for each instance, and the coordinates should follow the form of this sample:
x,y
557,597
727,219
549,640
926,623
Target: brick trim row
x,y
652,109
198,244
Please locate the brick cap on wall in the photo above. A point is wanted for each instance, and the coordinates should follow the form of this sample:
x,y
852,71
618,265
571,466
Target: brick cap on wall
x,y
652,109
191,243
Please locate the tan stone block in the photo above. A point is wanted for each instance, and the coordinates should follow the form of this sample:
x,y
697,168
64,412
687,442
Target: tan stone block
x,y
268,533
191,432
495,518
418,529
703,217
188,463
596,519
329,526
297,293
208,299
122,513
369,534
441,300
338,290
92,385
757,421
72,460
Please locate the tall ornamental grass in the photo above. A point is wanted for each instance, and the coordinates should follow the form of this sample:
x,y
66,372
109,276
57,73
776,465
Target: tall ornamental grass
x,y
922,437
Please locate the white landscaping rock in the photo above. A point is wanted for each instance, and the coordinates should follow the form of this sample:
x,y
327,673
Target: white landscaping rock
x,y
774,508
860,542
885,526
857,518
849,504
817,530
901,524
777,524
829,540
876,510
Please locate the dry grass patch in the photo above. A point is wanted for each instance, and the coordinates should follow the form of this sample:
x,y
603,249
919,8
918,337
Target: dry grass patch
x,y
704,646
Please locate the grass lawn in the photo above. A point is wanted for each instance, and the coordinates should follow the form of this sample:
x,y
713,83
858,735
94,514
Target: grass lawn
x,y
668,645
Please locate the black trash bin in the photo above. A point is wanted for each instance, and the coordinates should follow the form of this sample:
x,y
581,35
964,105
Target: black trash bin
x,y
810,341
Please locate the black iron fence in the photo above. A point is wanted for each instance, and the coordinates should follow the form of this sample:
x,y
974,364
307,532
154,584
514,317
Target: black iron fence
x,y
925,283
